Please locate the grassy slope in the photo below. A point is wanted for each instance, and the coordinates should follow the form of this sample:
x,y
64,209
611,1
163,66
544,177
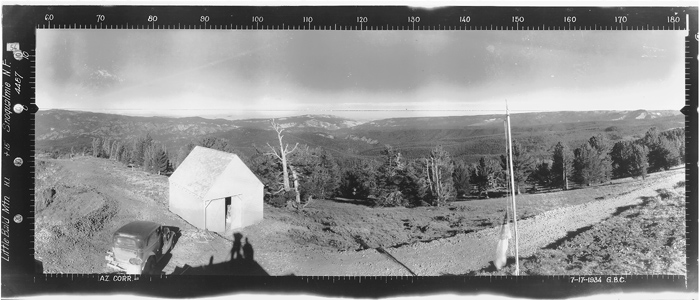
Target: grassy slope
x,y
334,224
646,239
82,201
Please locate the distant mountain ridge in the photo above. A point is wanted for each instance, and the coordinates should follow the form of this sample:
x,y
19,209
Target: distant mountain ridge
x,y
522,119
324,122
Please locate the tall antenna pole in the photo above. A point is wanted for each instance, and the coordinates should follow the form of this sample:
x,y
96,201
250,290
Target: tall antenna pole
x,y
512,192
505,132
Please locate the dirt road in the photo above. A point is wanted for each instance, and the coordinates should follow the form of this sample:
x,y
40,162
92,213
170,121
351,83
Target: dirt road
x,y
465,252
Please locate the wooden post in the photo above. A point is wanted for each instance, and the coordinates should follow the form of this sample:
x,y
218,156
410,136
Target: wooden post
x,y
563,164
505,131
512,193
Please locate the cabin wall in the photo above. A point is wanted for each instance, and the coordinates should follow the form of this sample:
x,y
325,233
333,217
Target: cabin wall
x,y
216,215
185,204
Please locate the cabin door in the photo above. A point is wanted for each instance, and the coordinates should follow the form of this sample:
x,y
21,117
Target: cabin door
x,y
228,211
234,209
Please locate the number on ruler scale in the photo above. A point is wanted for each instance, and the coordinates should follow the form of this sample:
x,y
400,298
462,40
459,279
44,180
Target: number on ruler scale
x,y
518,19
620,19
257,19
152,18
308,19
48,17
465,19
570,19
361,19
100,18
204,19
673,19
413,19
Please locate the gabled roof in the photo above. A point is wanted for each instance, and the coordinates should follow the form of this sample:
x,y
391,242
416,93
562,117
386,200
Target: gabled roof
x,y
198,172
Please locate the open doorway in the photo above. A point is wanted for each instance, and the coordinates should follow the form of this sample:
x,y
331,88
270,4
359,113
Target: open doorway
x,y
228,212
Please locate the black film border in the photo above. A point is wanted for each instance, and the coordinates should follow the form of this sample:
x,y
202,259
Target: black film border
x,y
20,24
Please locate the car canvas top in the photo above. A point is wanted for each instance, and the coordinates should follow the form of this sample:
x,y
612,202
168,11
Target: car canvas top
x,y
137,229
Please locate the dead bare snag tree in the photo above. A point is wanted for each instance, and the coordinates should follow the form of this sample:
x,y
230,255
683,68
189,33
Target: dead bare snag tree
x,y
439,170
282,156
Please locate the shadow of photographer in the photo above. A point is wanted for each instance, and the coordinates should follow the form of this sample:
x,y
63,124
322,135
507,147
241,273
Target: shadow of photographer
x,y
241,262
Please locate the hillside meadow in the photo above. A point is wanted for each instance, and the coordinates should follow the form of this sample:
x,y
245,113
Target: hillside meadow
x,y
338,223
644,239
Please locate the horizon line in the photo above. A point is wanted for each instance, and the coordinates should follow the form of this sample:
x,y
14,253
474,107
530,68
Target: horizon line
x,y
222,114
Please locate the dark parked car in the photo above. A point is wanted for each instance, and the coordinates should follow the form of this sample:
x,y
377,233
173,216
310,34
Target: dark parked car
x,y
138,246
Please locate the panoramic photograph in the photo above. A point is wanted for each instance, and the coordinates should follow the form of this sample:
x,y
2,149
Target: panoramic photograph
x,y
360,153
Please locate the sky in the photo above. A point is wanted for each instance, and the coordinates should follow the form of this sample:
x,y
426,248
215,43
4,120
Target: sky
x,y
356,74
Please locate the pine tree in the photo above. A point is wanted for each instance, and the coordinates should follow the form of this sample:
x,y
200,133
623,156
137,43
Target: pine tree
x,y
462,178
522,165
96,144
664,149
117,151
602,146
561,169
592,162
620,159
639,161
542,173
629,159
267,168
162,161
318,172
677,138
139,149
359,179
414,184
586,165
150,158
124,154
485,175
106,143
390,178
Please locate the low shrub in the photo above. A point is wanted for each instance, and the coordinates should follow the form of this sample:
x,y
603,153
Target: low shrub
x,y
390,199
46,197
665,194
280,199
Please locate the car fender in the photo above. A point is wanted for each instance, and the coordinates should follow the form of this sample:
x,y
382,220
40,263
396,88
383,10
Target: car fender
x,y
145,262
